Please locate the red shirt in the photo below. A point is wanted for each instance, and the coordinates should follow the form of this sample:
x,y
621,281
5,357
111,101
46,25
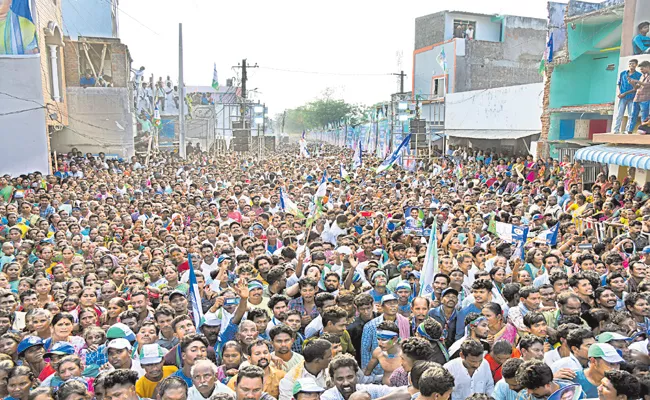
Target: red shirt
x,y
47,371
494,368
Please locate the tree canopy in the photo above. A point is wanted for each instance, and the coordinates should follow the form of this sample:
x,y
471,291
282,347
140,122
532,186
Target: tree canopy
x,y
323,113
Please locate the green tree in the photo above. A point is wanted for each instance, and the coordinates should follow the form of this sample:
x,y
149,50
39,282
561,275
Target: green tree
x,y
323,113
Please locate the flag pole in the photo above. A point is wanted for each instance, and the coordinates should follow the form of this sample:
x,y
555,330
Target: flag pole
x,y
181,90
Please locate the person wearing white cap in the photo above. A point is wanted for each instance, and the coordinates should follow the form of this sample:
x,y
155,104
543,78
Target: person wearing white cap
x,y
306,389
603,357
119,356
205,382
151,360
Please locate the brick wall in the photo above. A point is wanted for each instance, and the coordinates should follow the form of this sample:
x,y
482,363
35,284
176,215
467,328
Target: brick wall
x,y
50,11
72,71
121,61
118,67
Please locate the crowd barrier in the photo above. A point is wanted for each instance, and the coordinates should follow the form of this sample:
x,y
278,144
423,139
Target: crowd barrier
x,y
605,230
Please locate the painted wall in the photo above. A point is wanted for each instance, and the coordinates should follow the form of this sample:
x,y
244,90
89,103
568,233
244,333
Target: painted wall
x,y
584,81
556,26
589,37
508,108
426,66
24,134
88,18
101,120
485,29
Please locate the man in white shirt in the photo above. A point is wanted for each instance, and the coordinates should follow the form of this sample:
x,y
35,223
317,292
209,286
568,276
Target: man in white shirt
x,y
343,371
205,382
318,355
471,372
578,341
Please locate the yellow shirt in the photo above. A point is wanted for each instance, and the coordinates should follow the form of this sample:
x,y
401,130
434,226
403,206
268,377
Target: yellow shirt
x,y
271,382
145,388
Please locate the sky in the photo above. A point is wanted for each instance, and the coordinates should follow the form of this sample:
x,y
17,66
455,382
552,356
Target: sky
x,y
301,48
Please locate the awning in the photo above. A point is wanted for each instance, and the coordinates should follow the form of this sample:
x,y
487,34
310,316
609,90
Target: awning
x,y
488,134
436,136
637,157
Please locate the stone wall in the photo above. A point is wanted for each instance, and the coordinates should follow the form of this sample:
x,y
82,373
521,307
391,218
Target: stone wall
x,y
101,119
429,30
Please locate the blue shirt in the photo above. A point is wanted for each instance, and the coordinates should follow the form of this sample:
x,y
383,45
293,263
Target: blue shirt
x,y
590,390
502,391
640,44
624,84
369,343
87,81
460,322
180,374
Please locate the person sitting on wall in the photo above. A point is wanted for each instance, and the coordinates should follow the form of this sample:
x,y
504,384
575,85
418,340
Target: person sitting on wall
x,y
87,80
641,43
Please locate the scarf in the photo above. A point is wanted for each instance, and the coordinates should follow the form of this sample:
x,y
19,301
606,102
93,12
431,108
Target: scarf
x,y
423,333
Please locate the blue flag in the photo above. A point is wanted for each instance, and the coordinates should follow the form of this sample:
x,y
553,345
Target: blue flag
x,y
394,156
195,297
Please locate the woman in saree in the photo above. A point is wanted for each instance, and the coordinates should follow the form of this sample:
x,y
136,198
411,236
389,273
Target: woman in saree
x,y
499,328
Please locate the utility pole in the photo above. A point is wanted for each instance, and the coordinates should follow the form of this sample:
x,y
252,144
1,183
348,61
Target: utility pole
x,y
401,75
244,77
181,91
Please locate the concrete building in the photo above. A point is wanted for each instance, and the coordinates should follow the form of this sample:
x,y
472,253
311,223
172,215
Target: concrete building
x,y
95,18
101,119
578,95
30,81
503,51
504,119
623,154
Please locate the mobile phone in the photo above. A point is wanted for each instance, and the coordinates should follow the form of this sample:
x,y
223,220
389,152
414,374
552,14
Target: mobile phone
x,y
463,230
366,213
585,246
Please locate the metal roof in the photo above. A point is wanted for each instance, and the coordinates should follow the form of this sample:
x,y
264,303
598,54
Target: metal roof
x,y
637,157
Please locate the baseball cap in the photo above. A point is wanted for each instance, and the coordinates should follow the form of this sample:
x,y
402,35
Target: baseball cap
x,y
306,385
151,354
120,330
176,292
388,297
119,344
607,337
403,286
222,258
605,351
29,342
212,321
449,291
646,250
377,274
60,349
415,274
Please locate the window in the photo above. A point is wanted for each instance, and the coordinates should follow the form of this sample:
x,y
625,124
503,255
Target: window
x,y
438,87
461,27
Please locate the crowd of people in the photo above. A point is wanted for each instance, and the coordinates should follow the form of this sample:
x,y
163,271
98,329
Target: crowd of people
x,y
244,279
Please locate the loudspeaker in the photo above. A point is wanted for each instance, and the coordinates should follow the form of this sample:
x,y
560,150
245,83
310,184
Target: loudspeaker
x,y
269,143
241,133
418,126
419,140
241,148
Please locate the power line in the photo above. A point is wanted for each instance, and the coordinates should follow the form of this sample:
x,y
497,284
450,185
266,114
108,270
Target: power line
x,y
130,16
21,111
324,73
